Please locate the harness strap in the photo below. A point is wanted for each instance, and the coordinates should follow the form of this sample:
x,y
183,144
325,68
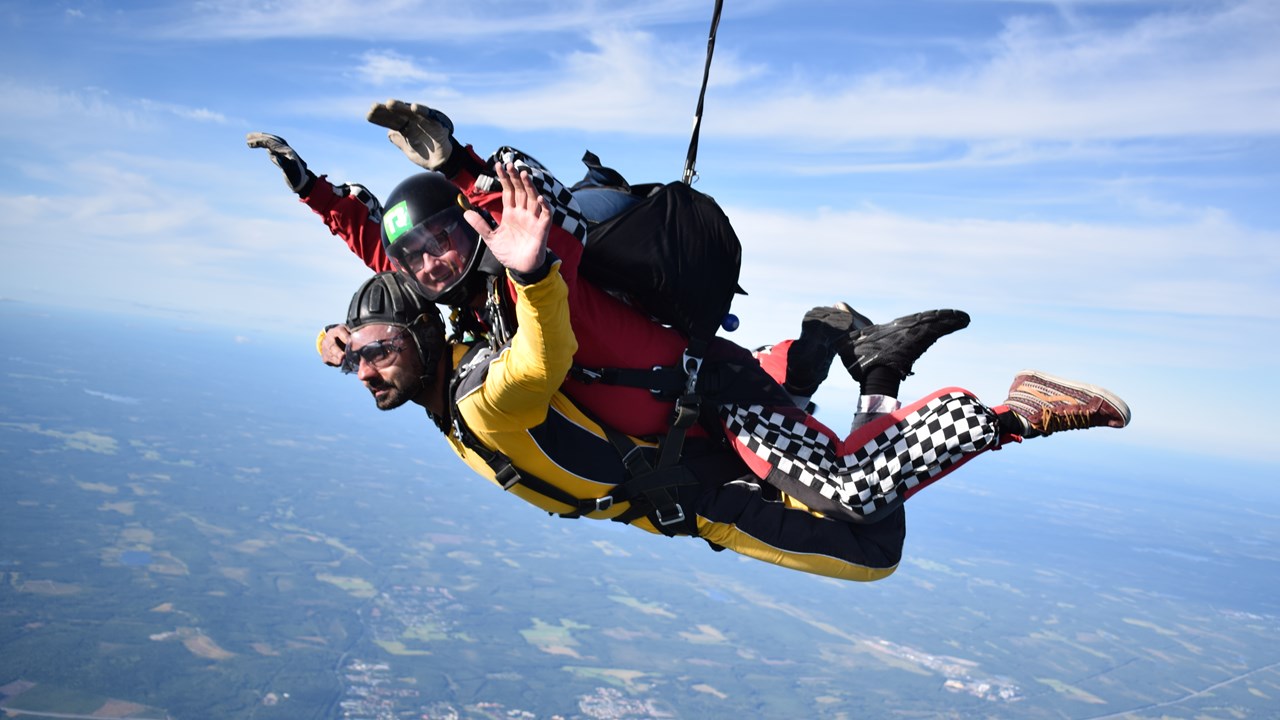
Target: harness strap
x,y
651,496
504,471
508,475
659,485
661,380
652,490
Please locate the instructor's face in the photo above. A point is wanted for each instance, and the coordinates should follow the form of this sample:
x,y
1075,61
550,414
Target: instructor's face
x,y
388,364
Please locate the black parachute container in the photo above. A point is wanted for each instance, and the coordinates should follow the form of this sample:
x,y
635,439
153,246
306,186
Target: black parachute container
x,y
674,255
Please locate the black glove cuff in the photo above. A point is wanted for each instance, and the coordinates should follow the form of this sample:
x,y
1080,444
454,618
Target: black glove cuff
x,y
539,273
460,158
304,192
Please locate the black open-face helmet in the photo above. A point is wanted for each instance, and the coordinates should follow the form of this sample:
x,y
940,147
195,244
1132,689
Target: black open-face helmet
x,y
427,239
388,298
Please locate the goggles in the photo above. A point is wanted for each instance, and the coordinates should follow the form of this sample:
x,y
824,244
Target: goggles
x,y
378,353
446,230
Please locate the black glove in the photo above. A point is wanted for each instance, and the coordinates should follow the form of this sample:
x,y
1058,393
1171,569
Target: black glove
x,y
296,175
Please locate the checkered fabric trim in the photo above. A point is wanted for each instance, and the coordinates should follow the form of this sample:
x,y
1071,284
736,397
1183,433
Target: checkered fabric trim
x,y
922,445
565,210
361,193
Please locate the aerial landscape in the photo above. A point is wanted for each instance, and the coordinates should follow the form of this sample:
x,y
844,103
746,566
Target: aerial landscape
x,y
174,547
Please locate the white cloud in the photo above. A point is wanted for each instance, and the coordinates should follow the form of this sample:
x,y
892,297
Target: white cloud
x,y
43,110
626,81
66,118
1189,72
437,21
386,67
1204,265
186,113
142,232
1040,91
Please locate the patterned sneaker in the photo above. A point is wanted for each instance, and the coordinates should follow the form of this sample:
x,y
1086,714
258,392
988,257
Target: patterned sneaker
x,y
822,332
900,343
1047,404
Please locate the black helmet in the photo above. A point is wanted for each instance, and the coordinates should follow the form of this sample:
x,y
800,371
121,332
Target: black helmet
x,y
423,217
388,299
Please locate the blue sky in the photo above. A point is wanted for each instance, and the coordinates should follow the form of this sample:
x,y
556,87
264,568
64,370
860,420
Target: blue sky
x,y
1095,182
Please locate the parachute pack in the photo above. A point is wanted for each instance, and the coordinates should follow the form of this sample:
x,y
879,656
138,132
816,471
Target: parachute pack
x,y
674,254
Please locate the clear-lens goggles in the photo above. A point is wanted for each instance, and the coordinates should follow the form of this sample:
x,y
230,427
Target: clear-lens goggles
x,y
446,230
378,353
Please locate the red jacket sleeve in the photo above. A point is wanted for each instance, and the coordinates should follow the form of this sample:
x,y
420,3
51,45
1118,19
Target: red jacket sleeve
x,y
352,213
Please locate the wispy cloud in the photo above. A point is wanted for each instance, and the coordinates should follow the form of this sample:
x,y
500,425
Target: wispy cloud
x,y
1185,72
625,81
82,115
386,67
1201,265
1042,89
186,113
436,21
43,109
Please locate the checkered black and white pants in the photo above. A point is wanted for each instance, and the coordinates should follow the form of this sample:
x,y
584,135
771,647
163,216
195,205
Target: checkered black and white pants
x,y
863,477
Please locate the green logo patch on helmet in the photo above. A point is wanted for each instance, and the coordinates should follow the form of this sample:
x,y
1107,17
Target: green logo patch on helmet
x,y
395,222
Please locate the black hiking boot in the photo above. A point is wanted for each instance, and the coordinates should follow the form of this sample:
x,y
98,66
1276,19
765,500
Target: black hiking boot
x,y
898,344
823,332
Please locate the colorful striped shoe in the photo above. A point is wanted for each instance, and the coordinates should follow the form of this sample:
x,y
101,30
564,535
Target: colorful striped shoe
x,y
1047,404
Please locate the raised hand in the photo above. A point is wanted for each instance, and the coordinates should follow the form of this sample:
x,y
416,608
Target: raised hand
x,y
296,175
424,135
520,242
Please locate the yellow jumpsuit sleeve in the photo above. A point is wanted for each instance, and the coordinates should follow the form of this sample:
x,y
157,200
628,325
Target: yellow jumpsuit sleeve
x,y
522,380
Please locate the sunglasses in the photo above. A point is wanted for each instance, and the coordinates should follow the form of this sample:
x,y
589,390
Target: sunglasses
x,y
378,353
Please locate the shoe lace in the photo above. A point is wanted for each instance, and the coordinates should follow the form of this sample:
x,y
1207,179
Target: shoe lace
x,y
1052,421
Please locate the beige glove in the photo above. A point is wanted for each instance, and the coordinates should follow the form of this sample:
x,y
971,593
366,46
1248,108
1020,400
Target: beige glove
x,y
296,174
424,135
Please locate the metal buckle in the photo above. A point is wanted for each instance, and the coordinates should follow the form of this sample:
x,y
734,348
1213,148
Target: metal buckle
x,y
603,503
657,391
635,464
692,364
507,477
670,521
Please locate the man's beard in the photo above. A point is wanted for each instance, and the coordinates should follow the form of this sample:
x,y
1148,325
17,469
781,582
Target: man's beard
x,y
394,398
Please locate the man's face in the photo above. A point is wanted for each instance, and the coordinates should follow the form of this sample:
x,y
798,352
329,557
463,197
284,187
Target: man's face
x,y
435,252
437,274
387,363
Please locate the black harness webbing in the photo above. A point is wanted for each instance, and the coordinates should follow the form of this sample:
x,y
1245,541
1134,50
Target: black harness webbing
x,y
656,484
651,491
666,381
